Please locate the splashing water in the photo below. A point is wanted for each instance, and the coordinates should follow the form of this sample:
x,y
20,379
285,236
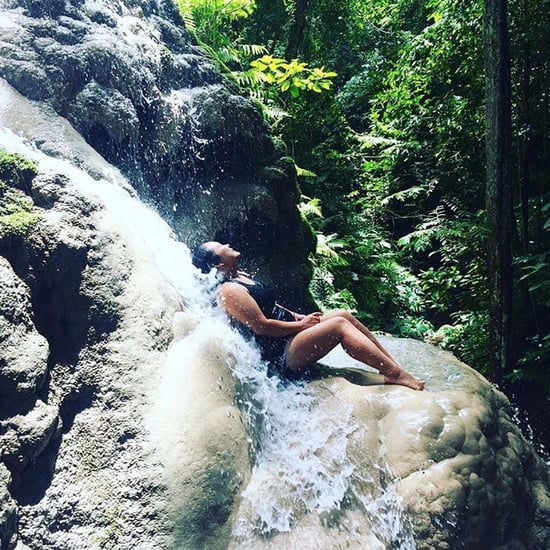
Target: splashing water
x,y
300,438
310,473
298,434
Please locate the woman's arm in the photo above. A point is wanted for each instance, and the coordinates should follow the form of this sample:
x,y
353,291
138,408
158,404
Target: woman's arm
x,y
295,315
239,305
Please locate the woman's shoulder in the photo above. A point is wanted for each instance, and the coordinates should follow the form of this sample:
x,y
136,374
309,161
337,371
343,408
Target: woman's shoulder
x,y
231,286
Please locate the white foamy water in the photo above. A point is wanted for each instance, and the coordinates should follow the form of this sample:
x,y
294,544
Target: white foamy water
x,y
301,467
152,238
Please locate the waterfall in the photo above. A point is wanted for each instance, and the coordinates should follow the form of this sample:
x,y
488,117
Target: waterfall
x,y
275,464
297,446
302,467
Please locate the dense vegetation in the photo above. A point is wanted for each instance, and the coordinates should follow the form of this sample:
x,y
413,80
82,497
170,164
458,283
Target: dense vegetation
x,y
382,106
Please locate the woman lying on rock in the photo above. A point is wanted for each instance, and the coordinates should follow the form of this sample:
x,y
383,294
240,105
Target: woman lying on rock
x,y
293,345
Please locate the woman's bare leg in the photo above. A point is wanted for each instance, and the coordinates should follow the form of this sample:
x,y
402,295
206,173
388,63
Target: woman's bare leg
x,y
311,344
360,326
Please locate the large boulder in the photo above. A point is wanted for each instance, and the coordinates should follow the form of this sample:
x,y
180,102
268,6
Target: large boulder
x,y
377,466
466,475
79,450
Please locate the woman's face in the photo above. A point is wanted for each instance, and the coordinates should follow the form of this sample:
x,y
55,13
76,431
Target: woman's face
x,y
228,256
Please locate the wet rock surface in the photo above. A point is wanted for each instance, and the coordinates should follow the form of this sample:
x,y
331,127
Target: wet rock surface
x,y
465,472
129,79
124,421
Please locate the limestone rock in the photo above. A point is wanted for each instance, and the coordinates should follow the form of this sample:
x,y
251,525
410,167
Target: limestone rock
x,y
23,351
8,511
201,437
106,311
24,437
458,458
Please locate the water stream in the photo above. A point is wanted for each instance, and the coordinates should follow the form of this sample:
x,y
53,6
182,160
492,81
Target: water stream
x,y
302,468
298,447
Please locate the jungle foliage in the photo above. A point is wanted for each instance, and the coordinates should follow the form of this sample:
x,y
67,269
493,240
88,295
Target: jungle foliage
x,y
393,160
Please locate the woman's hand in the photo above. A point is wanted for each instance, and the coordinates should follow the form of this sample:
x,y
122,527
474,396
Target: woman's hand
x,y
310,320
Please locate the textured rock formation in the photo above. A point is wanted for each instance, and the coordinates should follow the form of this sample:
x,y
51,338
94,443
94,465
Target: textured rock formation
x,y
8,511
70,478
23,351
131,416
128,78
464,471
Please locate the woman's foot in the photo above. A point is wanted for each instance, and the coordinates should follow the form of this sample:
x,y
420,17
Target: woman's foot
x,y
403,378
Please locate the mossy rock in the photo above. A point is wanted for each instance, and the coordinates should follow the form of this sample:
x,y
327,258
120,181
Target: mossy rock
x,y
17,213
16,171
16,216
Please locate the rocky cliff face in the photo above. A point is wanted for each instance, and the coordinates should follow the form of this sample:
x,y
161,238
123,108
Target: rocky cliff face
x,y
127,77
131,416
72,335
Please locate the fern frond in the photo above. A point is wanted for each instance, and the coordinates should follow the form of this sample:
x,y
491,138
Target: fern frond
x,y
367,141
252,49
275,113
401,196
304,172
250,79
310,207
187,15
228,54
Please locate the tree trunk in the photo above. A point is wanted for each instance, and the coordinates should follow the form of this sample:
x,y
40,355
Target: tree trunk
x,y
526,148
297,30
525,308
499,186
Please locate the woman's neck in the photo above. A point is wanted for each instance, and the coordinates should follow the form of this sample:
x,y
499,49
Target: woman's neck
x,y
239,276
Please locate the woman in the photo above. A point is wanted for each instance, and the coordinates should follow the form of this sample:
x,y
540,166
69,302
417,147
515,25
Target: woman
x,y
300,342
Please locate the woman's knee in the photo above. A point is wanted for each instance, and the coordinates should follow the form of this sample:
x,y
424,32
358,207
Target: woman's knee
x,y
339,323
333,314
346,315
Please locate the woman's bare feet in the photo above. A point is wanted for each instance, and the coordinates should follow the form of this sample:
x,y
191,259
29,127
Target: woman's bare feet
x,y
403,378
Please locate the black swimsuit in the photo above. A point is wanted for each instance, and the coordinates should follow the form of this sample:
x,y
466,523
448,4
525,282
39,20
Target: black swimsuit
x,y
272,348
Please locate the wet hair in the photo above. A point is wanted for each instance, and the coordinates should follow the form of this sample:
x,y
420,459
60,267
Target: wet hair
x,y
204,259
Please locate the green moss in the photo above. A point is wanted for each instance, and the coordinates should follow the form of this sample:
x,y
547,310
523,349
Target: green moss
x,y
17,214
16,170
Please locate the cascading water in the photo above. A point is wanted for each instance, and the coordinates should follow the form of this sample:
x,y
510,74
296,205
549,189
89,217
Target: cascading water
x,y
301,468
298,449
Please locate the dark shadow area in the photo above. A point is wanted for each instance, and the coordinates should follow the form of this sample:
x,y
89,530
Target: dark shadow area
x,y
71,407
355,375
531,404
54,276
30,485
